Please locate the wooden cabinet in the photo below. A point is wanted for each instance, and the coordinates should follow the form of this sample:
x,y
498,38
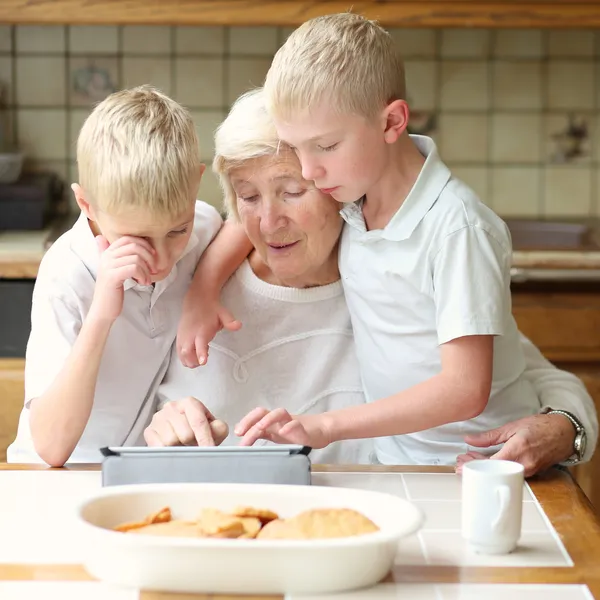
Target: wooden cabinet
x,y
565,325
12,372
399,13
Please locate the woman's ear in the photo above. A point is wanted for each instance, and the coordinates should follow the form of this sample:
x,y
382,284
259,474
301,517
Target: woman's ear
x,y
396,115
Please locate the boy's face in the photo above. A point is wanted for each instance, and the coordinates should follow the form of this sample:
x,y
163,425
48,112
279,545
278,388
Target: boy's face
x,y
344,154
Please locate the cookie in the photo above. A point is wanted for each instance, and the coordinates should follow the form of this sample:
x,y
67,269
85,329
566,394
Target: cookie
x,y
161,516
262,514
214,523
170,529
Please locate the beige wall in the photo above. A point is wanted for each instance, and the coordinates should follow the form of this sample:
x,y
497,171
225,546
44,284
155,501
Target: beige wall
x,y
501,100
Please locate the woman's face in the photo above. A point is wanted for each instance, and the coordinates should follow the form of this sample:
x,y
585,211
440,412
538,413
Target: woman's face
x,y
293,227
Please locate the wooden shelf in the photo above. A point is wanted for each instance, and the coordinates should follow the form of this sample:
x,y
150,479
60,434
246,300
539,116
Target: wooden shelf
x,y
415,13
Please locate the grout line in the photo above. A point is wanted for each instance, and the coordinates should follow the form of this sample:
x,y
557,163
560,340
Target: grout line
x,y
544,83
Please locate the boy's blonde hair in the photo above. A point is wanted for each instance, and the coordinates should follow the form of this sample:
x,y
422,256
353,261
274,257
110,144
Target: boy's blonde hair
x,y
138,148
247,133
343,59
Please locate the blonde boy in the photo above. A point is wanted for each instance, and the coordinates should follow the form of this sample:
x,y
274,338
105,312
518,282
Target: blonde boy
x,y
425,265
108,295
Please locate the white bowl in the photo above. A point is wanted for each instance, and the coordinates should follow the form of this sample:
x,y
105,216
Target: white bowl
x,y
240,566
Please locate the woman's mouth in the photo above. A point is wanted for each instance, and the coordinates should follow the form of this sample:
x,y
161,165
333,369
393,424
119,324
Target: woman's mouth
x,y
281,247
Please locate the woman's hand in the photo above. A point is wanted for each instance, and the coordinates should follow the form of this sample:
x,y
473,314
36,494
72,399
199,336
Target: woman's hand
x,y
280,427
537,442
185,422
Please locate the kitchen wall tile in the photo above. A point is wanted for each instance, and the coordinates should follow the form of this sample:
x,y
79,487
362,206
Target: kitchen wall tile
x,y
146,39
568,191
477,178
515,191
210,190
284,33
517,85
77,116
40,39
200,40
568,137
245,74
521,43
199,82
40,81
6,80
42,133
463,138
571,85
516,138
92,78
93,39
207,122
262,41
7,129
152,71
571,43
464,85
466,43
421,84
6,38
415,43
596,187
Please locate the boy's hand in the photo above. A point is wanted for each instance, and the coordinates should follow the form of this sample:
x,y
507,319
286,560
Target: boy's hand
x,y
280,427
127,258
200,322
185,422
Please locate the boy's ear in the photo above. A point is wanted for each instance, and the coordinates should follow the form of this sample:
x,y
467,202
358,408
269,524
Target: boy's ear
x,y
396,115
202,169
83,204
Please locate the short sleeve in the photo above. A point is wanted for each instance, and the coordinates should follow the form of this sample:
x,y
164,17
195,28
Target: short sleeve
x,y
207,223
471,284
55,325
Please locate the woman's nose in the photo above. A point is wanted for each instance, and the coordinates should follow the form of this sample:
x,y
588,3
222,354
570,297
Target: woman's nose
x,y
272,219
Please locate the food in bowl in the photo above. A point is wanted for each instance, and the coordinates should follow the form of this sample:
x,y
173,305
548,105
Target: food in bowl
x,y
255,523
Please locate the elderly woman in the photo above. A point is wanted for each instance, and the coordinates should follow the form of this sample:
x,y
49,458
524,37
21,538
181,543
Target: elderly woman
x,y
295,350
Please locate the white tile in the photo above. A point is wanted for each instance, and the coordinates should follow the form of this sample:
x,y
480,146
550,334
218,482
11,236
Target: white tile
x,y
383,591
92,78
463,138
152,71
42,133
93,39
466,43
415,43
571,43
568,191
520,43
245,74
561,145
571,85
146,39
477,178
6,79
40,518
390,483
285,32
535,549
77,117
262,41
464,85
65,590
433,486
40,38
517,85
411,551
421,84
512,591
5,38
207,122
41,81
515,191
199,82
516,138
200,40
210,189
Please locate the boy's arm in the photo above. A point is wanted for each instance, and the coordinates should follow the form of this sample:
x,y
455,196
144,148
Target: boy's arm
x,y
203,315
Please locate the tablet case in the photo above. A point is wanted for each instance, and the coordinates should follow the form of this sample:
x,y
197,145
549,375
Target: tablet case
x,y
220,464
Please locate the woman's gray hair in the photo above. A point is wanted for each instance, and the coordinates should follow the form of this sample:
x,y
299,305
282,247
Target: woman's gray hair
x,y
247,133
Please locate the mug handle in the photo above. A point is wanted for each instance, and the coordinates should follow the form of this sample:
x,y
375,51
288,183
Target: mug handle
x,y
503,493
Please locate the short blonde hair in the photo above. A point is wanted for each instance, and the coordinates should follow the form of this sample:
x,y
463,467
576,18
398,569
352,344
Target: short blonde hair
x,y
138,148
247,133
344,59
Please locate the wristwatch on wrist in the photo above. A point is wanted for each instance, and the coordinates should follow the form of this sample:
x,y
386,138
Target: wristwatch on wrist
x,y
579,444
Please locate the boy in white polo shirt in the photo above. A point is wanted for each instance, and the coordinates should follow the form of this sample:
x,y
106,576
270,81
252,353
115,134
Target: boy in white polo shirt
x,y
108,294
425,265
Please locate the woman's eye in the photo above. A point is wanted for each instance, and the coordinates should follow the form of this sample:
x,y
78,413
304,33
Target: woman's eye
x,y
295,194
328,148
248,198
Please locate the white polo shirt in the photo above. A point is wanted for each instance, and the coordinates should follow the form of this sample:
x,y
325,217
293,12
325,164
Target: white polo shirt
x,y
138,346
439,270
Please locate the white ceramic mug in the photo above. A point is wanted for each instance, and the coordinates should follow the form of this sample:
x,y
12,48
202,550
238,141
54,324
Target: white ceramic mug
x,y
492,505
